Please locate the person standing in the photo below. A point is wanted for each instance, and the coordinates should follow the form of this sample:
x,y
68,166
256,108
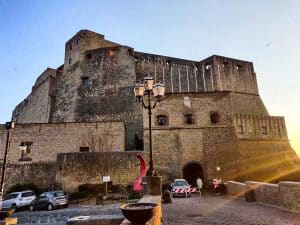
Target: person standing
x,y
199,185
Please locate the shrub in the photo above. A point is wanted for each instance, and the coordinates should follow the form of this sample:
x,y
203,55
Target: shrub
x,y
79,194
134,195
118,188
24,187
92,189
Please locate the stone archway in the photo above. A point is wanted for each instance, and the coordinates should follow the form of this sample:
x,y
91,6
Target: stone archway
x,y
191,171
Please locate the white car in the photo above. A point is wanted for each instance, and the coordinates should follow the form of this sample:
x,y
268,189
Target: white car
x,y
180,187
17,200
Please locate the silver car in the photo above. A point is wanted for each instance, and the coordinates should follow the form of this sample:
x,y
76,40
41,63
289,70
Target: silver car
x,y
50,200
18,200
180,187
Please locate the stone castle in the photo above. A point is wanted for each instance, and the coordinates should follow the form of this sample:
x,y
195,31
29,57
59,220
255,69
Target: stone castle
x,y
211,123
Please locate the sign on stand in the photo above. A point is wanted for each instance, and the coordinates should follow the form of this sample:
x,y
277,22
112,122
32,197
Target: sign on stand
x,y
106,179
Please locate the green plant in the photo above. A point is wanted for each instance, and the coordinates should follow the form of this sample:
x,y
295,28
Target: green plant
x,y
24,187
117,188
79,194
134,195
92,189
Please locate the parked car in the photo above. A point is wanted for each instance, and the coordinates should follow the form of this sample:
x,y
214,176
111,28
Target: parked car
x,y
50,200
180,187
17,200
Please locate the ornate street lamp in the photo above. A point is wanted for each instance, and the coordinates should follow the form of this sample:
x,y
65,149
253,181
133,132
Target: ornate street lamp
x,y
143,92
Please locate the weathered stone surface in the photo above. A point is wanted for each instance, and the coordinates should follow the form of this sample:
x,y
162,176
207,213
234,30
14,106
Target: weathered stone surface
x,y
80,168
231,128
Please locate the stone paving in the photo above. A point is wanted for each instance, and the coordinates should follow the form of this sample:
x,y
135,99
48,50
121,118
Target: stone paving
x,y
60,216
223,210
219,210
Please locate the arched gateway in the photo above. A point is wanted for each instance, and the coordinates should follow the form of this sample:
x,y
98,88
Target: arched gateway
x,y
191,171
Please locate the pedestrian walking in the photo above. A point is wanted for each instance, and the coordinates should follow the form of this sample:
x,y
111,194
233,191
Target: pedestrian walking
x,y
199,185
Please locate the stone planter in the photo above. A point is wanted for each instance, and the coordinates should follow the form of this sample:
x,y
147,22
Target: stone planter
x,y
139,213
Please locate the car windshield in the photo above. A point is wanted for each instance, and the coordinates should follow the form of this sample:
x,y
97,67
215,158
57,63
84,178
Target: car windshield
x,y
58,194
11,196
180,183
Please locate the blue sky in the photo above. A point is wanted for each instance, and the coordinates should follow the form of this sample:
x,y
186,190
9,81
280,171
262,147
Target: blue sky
x,y
33,34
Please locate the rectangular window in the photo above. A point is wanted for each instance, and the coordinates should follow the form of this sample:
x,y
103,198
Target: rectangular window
x,y
25,148
84,149
85,81
70,61
264,130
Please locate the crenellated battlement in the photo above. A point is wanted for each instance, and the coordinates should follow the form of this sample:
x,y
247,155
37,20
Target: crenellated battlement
x,y
216,73
259,127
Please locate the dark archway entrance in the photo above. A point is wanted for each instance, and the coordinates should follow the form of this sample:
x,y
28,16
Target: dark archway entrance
x,y
191,171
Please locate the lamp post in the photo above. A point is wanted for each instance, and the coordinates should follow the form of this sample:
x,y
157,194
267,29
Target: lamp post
x,y
8,126
144,91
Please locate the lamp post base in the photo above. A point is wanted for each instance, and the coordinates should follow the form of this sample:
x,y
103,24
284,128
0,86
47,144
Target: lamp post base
x,y
152,185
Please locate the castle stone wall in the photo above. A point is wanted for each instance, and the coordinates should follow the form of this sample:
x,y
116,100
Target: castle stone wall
x,y
42,174
80,42
267,160
177,143
233,74
247,104
260,127
215,73
285,194
80,168
36,107
107,94
47,140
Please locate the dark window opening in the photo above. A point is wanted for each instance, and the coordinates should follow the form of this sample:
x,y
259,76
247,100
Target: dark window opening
x,y
88,56
85,81
225,64
70,61
70,46
189,118
130,52
84,149
162,120
264,130
240,129
207,66
25,148
77,41
138,142
239,67
214,118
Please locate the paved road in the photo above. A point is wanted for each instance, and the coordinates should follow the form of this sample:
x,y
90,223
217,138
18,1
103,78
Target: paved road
x,y
220,210
60,216
223,210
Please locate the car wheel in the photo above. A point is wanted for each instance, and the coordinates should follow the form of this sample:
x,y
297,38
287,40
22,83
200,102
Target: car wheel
x,y
50,207
14,207
31,208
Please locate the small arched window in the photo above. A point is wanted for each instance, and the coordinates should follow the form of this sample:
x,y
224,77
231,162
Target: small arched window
x,y
214,118
189,118
162,120
88,56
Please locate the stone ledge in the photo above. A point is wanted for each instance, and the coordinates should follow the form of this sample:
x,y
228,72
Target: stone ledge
x,y
96,220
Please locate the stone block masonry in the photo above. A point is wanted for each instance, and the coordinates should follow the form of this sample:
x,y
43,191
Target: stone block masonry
x,y
80,168
211,117
42,174
47,140
285,194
